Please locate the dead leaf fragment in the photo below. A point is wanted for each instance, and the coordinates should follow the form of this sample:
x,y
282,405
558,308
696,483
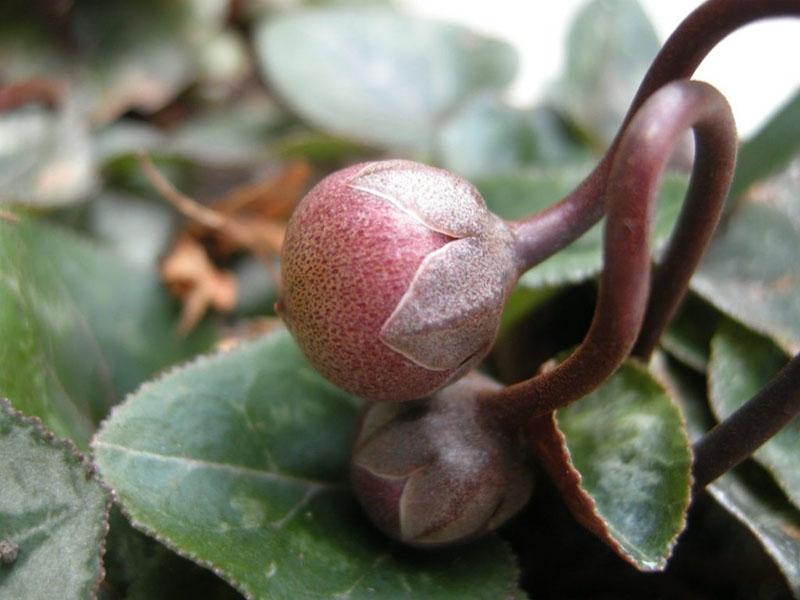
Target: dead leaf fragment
x,y
256,214
197,282
249,219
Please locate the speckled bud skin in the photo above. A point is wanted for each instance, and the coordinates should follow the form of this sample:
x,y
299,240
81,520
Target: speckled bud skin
x,y
433,472
394,278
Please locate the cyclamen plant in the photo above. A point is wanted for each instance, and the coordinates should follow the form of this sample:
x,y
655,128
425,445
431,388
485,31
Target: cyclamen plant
x,y
243,471
395,275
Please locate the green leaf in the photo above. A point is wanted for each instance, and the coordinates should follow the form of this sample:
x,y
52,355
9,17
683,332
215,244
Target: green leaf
x,y
81,327
53,514
487,137
375,75
688,337
770,149
751,271
741,364
773,521
239,461
622,462
521,302
139,568
45,156
747,492
610,45
513,196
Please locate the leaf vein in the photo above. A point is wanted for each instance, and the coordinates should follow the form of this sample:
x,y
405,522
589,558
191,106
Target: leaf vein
x,y
194,463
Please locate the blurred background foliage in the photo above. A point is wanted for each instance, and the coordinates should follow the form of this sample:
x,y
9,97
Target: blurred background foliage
x,y
106,278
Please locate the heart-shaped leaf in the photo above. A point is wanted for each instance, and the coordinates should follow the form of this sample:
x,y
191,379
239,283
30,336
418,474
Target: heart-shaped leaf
x,y
239,461
513,196
80,327
751,271
746,492
742,363
53,514
376,75
621,459
609,47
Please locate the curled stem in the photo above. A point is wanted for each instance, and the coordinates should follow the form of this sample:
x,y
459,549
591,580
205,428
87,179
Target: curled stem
x,y
741,434
639,163
550,230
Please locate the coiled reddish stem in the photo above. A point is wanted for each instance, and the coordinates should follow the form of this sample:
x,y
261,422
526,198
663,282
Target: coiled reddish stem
x,y
554,228
639,162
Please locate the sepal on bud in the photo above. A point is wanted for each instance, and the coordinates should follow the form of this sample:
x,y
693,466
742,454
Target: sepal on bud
x,y
435,471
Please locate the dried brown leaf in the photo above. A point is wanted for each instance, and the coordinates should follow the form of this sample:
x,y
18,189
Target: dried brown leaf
x,y
251,218
191,276
271,198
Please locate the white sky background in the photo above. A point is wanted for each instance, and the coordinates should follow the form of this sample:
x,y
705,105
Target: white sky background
x,y
757,68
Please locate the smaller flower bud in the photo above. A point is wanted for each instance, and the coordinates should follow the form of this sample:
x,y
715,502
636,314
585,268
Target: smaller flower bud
x,y
434,471
394,278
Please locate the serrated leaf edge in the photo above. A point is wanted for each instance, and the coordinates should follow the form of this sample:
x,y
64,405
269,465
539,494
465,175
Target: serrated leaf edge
x,y
698,285
90,471
612,540
200,361
775,554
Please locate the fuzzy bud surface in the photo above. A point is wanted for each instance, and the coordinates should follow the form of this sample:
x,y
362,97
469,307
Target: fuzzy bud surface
x,y
394,278
432,471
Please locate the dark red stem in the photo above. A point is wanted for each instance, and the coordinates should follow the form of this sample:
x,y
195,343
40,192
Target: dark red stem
x,y
639,162
714,166
550,230
741,434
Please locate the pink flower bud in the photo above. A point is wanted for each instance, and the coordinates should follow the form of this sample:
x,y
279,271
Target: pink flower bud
x,y
434,471
395,275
